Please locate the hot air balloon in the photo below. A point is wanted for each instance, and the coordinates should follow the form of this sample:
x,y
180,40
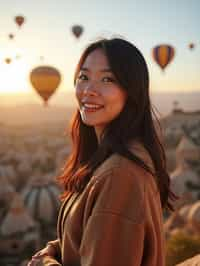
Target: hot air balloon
x,y
18,56
77,30
19,20
41,58
8,60
191,46
11,36
163,55
45,80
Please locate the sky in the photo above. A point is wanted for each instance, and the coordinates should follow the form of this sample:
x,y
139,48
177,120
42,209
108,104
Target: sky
x,y
146,23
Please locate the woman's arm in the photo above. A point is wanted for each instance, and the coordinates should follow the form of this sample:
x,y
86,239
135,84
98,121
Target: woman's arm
x,y
110,239
114,233
48,261
48,256
56,245
44,261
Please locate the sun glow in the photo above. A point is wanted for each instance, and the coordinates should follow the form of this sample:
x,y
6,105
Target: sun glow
x,y
13,75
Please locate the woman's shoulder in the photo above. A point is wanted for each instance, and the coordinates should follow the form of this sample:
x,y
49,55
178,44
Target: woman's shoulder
x,y
122,164
123,172
138,149
119,186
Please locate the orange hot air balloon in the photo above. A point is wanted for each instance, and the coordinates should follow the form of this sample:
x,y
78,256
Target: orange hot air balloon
x,y
163,55
11,36
77,30
19,20
8,60
191,46
45,80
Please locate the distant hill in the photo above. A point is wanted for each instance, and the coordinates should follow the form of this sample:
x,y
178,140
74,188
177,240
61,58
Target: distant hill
x,y
164,102
28,108
34,114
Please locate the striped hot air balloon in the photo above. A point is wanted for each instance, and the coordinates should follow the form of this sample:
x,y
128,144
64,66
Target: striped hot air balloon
x,y
163,54
45,80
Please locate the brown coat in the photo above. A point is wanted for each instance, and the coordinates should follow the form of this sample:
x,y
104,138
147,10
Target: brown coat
x,y
115,221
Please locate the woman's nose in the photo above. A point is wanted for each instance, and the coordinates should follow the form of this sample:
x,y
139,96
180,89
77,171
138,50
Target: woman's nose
x,y
90,90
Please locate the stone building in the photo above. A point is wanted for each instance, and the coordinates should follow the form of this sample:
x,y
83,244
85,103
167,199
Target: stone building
x,y
187,150
7,193
41,198
183,179
19,234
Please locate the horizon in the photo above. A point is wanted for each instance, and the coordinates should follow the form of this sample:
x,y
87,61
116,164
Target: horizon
x,y
24,110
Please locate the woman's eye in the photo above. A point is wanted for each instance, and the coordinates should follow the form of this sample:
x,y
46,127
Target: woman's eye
x,y
82,77
108,79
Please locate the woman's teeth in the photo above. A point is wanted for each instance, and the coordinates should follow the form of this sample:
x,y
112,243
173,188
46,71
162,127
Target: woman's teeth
x,y
92,106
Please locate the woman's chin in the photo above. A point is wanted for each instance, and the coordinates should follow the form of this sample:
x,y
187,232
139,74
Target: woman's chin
x,y
89,123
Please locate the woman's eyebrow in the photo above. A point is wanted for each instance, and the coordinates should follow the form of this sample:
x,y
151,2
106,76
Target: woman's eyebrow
x,y
84,69
102,70
106,70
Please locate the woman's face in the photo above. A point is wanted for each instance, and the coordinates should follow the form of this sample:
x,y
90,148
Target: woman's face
x,y
99,95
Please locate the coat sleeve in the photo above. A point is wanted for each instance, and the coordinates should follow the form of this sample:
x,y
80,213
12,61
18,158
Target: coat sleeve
x,y
51,261
56,244
114,232
112,240
48,261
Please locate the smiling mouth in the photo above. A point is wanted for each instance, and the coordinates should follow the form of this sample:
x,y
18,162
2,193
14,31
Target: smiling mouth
x,y
91,107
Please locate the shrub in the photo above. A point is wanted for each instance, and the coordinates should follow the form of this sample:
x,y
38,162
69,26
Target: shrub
x,y
180,247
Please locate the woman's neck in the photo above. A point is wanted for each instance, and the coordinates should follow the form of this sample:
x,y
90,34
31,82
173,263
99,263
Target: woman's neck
x,y
98,131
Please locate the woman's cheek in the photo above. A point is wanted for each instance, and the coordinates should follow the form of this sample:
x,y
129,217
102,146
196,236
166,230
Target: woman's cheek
x,y
78,91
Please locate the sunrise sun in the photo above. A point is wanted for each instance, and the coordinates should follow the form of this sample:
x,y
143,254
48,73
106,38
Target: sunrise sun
x,y
14,73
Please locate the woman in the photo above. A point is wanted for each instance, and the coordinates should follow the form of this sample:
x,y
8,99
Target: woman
x,y
115,180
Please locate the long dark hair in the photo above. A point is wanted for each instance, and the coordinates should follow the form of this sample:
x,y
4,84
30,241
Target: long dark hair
x,y
135,122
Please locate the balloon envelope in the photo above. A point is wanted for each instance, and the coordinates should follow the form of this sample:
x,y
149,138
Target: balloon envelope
x,y
8,60
11,36
191,46
41,58
18,56
45,80
19,20
163,55
77,30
